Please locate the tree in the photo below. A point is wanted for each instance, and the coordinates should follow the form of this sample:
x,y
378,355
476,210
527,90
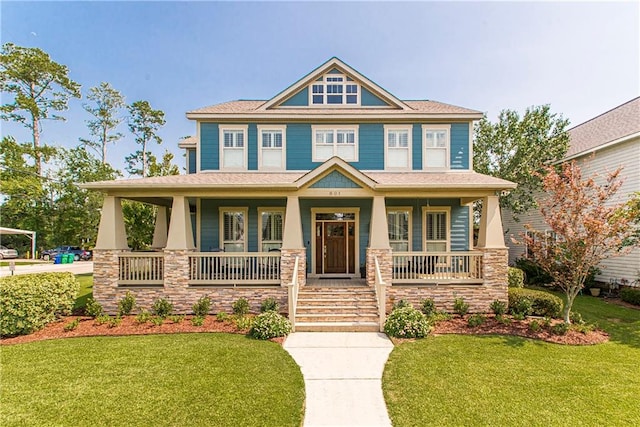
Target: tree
x,y
164,168
105,109
517,149
144,122
587,226
39,87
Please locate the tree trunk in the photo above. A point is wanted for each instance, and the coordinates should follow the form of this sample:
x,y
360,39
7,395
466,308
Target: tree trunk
x,y
104,146
36,144
566,313
144,159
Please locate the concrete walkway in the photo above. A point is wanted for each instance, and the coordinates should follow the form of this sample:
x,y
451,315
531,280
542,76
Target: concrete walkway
x,y
342,376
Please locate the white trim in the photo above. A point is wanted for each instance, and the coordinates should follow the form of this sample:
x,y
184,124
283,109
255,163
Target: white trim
x,y
356,238
324,83
403,209
285,114
245,156
280,210
335,129
283,149
199,224
471,224
438,209
470,147
245,212
198,147
409,129
445,127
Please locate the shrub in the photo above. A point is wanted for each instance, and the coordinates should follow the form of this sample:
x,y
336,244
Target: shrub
x,y
534,274
406,322
222,316
71,326
102,319
270,324
93,308
476,320
157,320
519,316
584,328
520,308
176,318
197,321
576,318
269,304
114,321
240,307
503,319
243,322
534,326
590,280
428,307
560,328
143,317
438,316
403,303
460,307
162,307
515,277
202,306
630,295
546,322
542,303
28,302
126,304
498,307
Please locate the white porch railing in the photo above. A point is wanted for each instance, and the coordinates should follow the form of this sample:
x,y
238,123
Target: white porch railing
x,y
292,299
381,295
234,268
437,267
141,268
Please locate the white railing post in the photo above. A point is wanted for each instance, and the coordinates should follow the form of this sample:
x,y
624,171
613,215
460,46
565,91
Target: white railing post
x,y
381,294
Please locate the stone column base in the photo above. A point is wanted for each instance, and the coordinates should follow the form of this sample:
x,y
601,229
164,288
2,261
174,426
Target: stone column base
x,y
385,260
287,264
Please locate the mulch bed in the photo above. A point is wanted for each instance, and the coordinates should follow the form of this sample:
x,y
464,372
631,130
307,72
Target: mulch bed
x,y
89,328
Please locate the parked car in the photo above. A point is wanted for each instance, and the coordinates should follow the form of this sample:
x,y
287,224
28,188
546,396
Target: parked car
x,y
78,253
6,253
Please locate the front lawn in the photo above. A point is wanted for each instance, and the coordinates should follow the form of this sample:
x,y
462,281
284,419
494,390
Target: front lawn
x,y
86,290
160,380
500,380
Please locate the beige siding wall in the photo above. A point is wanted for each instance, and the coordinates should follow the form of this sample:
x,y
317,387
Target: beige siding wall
x,y
627,155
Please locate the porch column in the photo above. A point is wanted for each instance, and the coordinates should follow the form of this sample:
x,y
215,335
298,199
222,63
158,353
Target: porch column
x,y
379,244
292,245
160,231
490,233
180,232
111,233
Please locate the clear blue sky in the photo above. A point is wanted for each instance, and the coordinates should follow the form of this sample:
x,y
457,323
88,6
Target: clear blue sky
x,y
582,58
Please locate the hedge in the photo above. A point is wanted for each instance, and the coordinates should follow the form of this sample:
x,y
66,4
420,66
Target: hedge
x,y
28,302
515,277
542,303
630,295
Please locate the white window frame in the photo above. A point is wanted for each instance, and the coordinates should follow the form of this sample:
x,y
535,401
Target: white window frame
x,y
245,213
283,149
245,155
436,209
324,83
262,211
446,149
403,209
335,129
396,128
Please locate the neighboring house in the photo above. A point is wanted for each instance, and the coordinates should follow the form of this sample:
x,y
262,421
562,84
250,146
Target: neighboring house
x,y
600,145
332,179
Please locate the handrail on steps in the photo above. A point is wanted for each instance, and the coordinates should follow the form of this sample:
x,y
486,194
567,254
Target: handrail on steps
x,y
294,287
381,294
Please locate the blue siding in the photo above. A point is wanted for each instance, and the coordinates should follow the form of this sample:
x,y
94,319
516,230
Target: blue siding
x,y
371,147
252,146
300,99
299,147
365,219
459,146
209,148
458,226
417,147
191,160
210,219
368,99
335,180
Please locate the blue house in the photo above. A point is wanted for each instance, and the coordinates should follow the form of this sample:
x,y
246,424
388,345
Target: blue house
x,y
334,196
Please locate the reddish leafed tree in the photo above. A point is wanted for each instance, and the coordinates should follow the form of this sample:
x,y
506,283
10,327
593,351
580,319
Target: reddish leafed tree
x,y
588,227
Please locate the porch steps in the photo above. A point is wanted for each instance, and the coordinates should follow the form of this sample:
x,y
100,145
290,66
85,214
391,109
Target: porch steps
x,y
337,309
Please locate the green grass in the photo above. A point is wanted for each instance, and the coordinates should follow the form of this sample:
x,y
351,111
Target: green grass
x,y
159,380
86,290
501,380
6,263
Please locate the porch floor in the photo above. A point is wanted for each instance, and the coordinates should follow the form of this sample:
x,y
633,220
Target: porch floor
x,y
317,282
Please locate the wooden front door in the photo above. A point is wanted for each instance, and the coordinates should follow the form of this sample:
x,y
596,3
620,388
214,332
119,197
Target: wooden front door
x,y
335,249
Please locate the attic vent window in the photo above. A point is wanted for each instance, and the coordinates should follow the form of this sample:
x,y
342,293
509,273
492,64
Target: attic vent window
x,y
334,89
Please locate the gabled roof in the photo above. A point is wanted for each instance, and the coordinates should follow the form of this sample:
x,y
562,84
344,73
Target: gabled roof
x,y
190,142
614,125
334,63
334,164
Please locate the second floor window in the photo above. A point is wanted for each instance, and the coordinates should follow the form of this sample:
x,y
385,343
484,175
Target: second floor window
x,y
334,89
436,146
397,147
329,142
272,148
233,148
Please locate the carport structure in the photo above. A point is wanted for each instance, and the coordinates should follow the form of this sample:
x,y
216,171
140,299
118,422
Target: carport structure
x,y
30,234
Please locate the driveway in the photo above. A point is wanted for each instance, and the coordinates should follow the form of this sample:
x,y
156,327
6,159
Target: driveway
x,y
79,267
